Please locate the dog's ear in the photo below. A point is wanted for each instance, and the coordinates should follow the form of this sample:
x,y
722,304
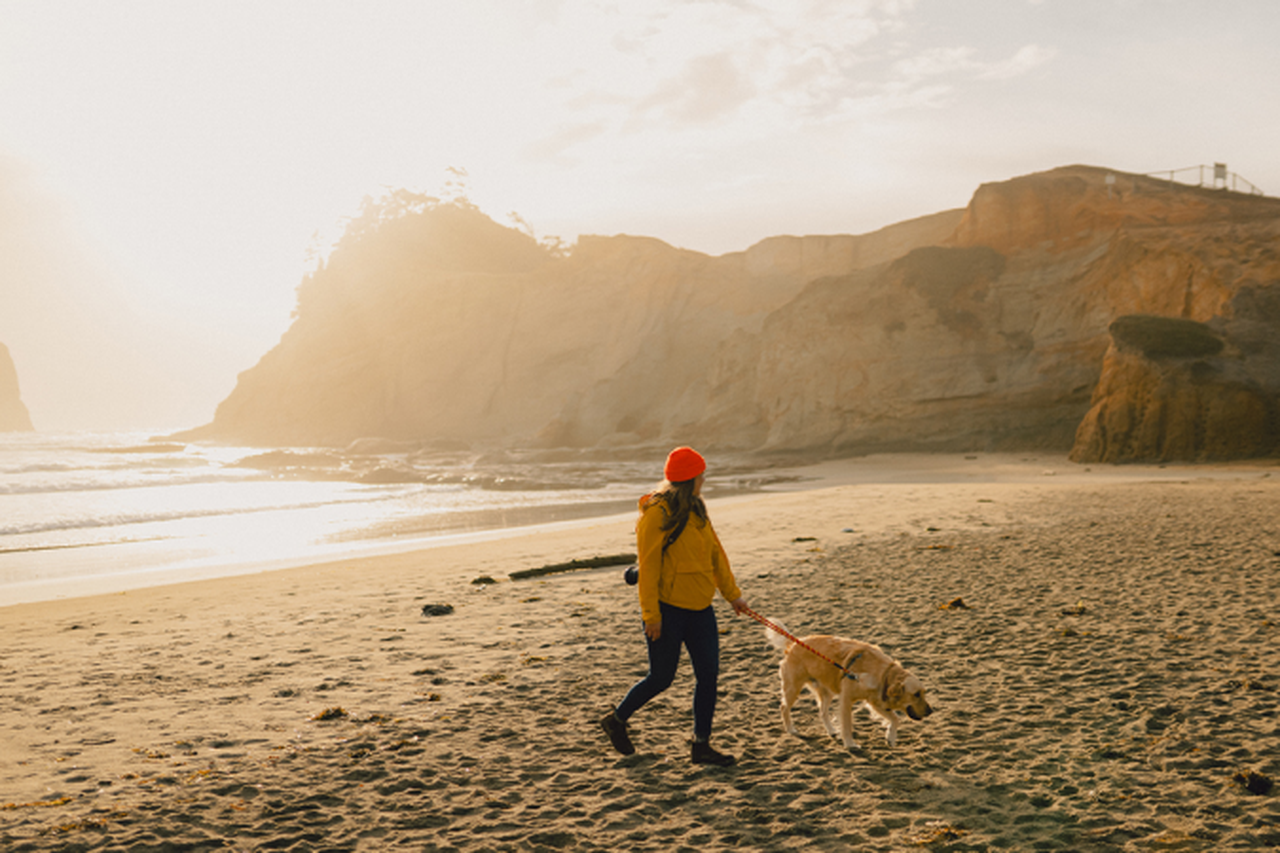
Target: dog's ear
x,y
893,690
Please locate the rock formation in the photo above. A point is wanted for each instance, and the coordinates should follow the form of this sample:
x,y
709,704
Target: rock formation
x,y
993,327
996,339
13,414
1175,389
442,326
1201,380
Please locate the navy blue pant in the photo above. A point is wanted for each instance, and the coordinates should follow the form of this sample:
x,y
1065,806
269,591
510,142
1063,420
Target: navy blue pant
x,y
695,630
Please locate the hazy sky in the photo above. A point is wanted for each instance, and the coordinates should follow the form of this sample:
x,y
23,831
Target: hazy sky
x,y
200,145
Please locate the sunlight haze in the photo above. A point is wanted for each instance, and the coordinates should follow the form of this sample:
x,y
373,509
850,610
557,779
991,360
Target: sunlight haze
x,y
170,169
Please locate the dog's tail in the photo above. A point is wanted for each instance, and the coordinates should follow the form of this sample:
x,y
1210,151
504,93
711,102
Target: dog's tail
x,y
778,641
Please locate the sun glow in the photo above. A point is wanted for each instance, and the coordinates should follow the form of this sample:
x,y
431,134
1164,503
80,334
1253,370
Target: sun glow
x,y
202,147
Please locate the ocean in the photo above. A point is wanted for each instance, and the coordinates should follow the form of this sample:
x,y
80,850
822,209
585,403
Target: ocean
x,y
89,512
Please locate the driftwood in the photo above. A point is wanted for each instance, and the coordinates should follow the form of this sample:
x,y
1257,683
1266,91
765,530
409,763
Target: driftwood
x,y
573,565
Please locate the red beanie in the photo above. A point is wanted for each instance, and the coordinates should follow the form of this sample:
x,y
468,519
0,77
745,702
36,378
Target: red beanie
x,y
683,463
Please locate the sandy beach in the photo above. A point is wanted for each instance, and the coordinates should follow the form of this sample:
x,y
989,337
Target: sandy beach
x,y
1100,646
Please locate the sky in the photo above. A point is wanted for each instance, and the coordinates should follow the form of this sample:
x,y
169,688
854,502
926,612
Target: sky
x,y
170,169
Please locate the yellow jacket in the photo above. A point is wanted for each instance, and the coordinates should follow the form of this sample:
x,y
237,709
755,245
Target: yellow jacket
x,y
694,567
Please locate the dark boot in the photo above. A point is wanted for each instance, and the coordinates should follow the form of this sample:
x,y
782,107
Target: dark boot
x,y
617,731
704,754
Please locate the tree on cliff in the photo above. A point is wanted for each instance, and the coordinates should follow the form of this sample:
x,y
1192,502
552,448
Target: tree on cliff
x,y
390,206
403,234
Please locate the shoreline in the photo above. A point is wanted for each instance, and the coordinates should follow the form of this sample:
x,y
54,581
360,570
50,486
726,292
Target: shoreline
x,y
1111,675
864,471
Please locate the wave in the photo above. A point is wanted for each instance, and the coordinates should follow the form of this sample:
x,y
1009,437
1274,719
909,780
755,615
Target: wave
x,y
72,545
78,491
106,485
126,519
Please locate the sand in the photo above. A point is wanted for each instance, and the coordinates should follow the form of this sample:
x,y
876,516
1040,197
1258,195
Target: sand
x,y
1110,683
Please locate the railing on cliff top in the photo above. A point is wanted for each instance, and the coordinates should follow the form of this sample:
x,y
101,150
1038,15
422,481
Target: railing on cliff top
x,y
1220,178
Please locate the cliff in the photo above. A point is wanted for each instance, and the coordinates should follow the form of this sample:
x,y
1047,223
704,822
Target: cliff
x,y
1174,389
13,414
996,339
986,328
442,326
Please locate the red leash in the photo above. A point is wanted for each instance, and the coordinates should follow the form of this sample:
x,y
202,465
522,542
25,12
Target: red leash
x,y
799,642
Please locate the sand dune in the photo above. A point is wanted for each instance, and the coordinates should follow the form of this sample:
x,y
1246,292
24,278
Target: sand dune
x,y
1111,683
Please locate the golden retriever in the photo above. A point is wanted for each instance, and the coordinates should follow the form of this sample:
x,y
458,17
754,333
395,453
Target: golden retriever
x,y
875,679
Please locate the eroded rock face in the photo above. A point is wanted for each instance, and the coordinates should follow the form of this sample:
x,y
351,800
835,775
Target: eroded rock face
x,y
996,340
14,416
1173,389
447,327
927,352
1075,205
990,328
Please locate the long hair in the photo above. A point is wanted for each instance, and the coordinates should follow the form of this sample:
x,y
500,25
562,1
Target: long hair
x,y
680,502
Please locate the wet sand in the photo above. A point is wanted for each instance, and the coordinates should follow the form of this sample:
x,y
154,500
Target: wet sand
x,y
1109,680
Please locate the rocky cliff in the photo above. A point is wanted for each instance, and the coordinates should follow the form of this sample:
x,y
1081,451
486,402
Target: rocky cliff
x,y
13,414
992,327
442,326
997,338
1174,389
1200,380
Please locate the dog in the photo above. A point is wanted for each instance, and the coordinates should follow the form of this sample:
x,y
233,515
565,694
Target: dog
x,y
874,679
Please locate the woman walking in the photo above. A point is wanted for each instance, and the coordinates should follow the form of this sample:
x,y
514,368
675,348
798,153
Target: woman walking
x,y
682,564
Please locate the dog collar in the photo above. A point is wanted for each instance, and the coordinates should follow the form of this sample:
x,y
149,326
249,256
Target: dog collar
x,y
884,688
849,663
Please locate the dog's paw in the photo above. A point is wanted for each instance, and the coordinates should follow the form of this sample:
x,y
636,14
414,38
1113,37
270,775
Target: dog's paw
x,y
851,744
891,736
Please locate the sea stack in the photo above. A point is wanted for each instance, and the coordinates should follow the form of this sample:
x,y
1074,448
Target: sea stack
x,y
14,416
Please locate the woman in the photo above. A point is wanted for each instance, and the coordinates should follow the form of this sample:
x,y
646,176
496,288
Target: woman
x,y
682,564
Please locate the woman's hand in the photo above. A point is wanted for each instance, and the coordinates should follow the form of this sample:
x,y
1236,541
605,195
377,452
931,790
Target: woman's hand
x,y
740,604
653,630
